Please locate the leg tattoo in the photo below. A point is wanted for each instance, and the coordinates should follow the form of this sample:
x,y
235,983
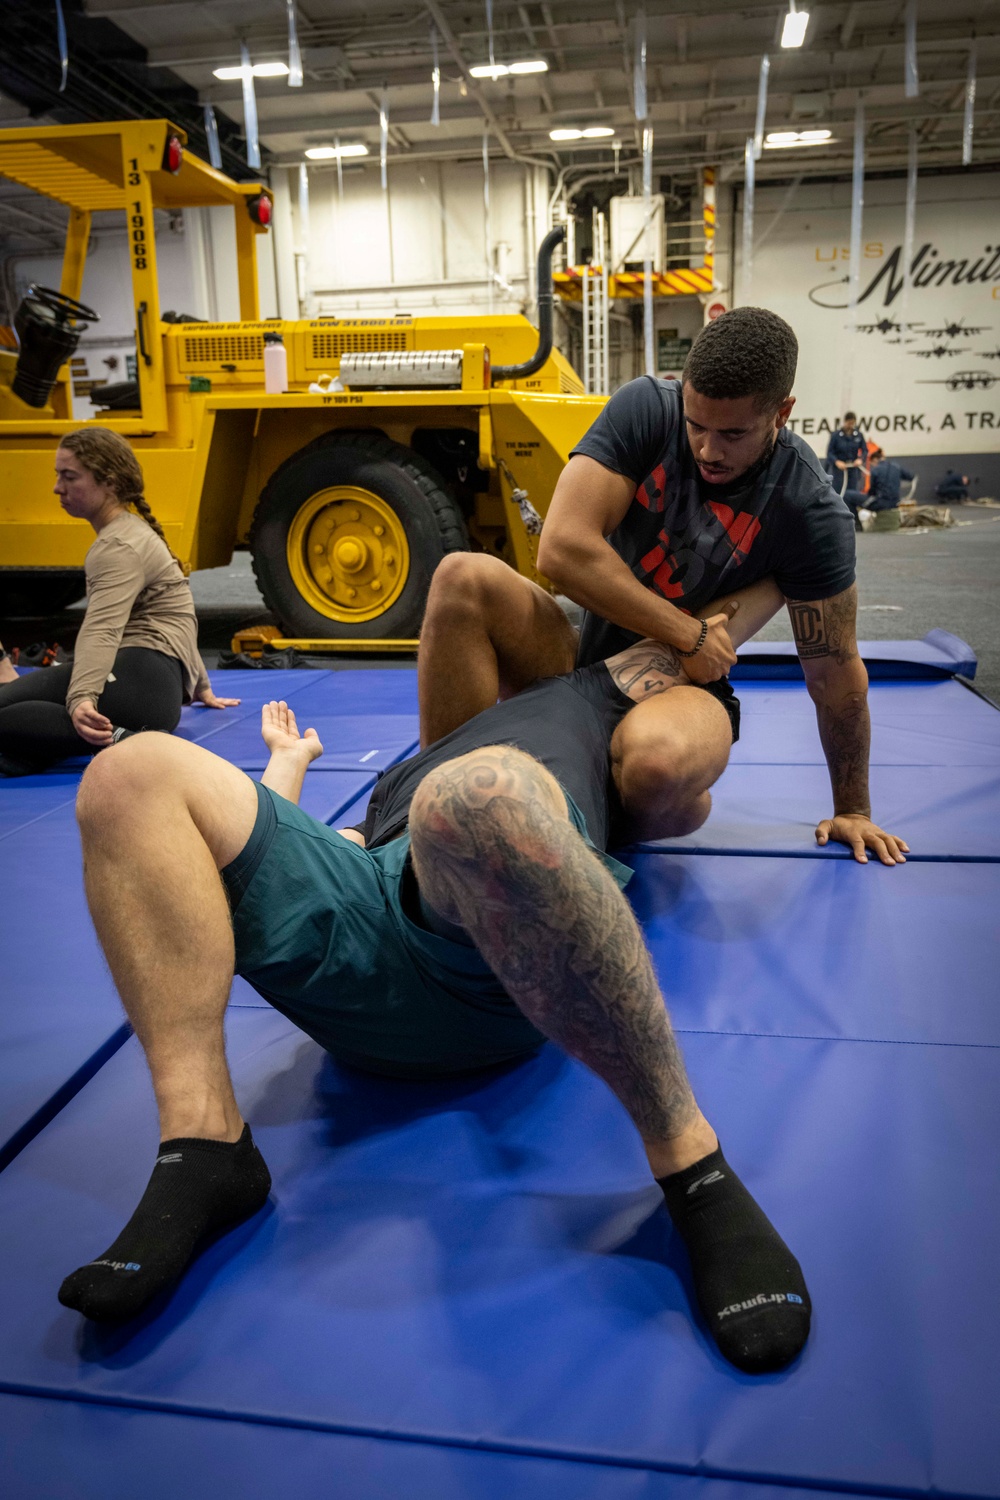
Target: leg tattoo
x,y
495,852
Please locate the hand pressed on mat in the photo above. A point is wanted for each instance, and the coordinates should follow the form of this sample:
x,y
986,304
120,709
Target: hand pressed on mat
x,y
860,834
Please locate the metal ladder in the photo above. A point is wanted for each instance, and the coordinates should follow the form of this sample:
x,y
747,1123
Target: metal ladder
x,y
596,328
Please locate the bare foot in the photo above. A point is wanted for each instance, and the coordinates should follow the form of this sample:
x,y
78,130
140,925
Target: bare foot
x,y
7,672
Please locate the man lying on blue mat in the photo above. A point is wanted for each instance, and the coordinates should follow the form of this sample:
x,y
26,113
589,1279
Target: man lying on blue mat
x,y
680,492
477,916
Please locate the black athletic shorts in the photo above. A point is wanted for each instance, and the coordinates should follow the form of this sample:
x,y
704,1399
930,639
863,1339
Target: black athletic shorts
x,y
723,690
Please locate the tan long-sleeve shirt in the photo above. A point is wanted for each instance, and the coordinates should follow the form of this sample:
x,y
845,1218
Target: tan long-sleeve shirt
x,y
136,596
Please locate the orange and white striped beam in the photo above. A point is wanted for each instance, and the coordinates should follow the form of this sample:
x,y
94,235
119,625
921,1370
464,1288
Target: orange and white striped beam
x,y
628,285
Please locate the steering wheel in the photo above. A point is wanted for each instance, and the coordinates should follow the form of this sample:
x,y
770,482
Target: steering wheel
x,y
61,305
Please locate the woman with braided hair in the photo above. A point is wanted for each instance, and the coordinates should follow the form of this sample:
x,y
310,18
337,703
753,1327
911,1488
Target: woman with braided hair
x,y
136,658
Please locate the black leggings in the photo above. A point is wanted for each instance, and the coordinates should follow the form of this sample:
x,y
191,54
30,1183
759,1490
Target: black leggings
x,y
36,730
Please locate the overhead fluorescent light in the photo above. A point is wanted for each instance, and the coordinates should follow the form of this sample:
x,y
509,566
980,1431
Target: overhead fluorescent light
x,y
259,70
501,70
330,153
777,140
793,33
589,133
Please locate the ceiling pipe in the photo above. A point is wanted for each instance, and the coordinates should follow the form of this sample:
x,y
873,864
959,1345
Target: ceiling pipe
x,y
451,42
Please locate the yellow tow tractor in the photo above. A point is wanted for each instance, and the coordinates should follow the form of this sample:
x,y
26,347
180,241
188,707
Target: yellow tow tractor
x,y
430,435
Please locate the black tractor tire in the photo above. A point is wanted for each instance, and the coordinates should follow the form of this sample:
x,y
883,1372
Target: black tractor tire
x,y
33,593
427,513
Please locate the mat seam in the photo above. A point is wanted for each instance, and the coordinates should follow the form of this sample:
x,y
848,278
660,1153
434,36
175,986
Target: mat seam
x,y
863,1041
38,818
64,1095
499,1446
721,853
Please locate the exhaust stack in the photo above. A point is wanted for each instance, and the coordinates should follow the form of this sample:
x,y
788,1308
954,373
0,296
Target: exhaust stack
x,y
545,297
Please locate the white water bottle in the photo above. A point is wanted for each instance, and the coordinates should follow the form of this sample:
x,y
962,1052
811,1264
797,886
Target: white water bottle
x,y
275,365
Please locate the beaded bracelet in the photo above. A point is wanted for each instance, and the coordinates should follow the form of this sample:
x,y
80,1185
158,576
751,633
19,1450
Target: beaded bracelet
x,y
701,641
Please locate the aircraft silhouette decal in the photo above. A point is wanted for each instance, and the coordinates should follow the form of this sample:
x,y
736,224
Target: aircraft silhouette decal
x,y
938,351
955,331
967,380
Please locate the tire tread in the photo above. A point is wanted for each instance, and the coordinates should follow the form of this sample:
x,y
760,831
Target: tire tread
x,y
447,513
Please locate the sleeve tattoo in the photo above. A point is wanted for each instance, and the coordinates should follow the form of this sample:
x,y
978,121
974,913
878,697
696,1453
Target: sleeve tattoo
x,y
825,634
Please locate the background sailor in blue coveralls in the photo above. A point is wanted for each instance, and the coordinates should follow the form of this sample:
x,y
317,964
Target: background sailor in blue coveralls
x,y
846,452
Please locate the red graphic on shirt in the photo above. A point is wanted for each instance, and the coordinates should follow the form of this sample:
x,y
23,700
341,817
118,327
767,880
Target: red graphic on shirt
x,y
674,573
662,580
742,530
662,565
652,490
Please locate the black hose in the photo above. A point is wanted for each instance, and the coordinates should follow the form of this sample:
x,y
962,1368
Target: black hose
x,y
545,297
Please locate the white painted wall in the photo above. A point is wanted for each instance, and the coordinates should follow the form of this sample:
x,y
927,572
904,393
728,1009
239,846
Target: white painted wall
x,y
892,378
422,244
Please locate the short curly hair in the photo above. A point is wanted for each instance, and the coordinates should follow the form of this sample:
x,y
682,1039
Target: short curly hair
x,y
746,352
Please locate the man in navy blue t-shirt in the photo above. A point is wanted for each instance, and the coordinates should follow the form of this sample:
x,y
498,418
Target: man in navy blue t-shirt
x,y
683,497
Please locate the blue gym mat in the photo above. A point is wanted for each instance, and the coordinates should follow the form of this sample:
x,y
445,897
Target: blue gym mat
x,y
470,1290
350,741
29,798
60,1018
939,654
942,812
63,1450
329,795
823,948
328,694
466,1265
252,688
913,724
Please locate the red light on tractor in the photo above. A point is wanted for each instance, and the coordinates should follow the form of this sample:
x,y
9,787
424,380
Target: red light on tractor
x,y
260,210
173,155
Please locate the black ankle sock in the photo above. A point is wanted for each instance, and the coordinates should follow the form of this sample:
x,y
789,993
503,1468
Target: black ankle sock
x,y
750,1286
198,1188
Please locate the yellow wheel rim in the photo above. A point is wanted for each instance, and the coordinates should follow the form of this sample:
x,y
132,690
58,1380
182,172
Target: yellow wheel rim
x,y
347,554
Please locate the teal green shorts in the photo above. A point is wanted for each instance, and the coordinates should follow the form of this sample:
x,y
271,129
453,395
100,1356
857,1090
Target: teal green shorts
x,y
330,934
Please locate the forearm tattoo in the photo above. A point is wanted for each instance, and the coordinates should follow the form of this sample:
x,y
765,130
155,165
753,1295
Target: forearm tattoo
x,y
826,628
494,851
645,669
845,731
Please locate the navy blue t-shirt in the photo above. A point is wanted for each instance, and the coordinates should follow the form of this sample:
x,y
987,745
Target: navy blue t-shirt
x,y
690,541
565,722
